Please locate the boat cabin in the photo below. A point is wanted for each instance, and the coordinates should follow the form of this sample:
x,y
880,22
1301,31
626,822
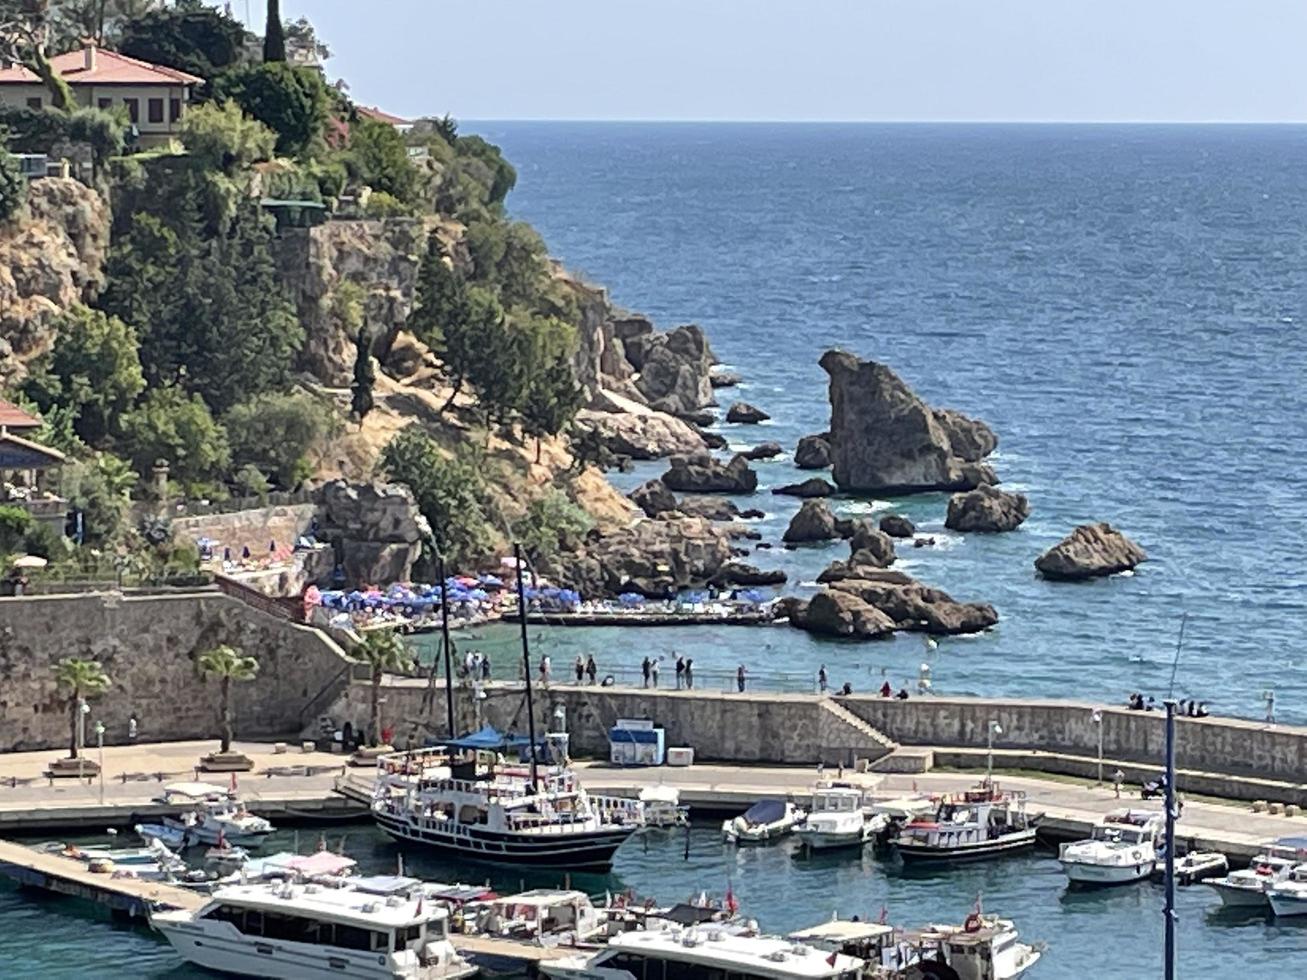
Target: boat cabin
x,y
717,954
864,940
836,798
543,915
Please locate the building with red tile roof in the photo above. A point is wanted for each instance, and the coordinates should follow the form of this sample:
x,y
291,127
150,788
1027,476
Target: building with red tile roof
x,y
373,113
15,419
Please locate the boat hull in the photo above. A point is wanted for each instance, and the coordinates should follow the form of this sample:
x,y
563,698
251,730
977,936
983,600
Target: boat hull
x,y
587,851
926,854
1104,875
829,840
1237,897
1287,905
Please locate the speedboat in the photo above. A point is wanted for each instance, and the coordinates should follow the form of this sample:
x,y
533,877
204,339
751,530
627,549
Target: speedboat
x,y
1247,887
214,813
1288,896
1195,866
371,928
764,821
837,819
980,823
662,806
1122,848
172,837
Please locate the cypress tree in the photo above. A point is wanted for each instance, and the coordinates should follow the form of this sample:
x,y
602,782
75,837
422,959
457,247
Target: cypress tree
x,y
274,37
364,376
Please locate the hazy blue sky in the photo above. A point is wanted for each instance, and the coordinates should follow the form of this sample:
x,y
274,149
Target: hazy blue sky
x,y
1195,60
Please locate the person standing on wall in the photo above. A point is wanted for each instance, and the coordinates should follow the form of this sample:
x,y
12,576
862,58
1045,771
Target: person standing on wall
x,y
590,669
680,671
821,679
740,677
645,670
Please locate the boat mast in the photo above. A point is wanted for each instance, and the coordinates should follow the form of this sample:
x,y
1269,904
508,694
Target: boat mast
x,y
526,661
444,633
1169,908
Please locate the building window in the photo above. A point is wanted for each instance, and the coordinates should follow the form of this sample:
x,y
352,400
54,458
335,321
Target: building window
x,y
156,110
174,109
104,104
34,103
133,109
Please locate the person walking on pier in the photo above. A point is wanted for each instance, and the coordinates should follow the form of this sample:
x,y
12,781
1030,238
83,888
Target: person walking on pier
x,y
544,670
1117,778
680,671
653,671
590,669
645,666
580,669
689,673
821,679
485,666
739,677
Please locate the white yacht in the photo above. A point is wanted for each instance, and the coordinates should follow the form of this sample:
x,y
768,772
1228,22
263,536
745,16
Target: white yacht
x,y
544,917
367,928
711,951
1247,887
213,815
1288,896
837,819
662,806
764,821
1121,848
479,807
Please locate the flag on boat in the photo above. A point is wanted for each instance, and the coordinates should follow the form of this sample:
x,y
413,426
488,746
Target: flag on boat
x,y
732,906
832,958
233,782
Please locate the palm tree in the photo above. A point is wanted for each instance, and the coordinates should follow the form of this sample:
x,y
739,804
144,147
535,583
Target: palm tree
x,y
382,650
227,664
83,679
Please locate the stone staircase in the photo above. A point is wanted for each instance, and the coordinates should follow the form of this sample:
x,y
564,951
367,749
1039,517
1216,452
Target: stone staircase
x,y
844,737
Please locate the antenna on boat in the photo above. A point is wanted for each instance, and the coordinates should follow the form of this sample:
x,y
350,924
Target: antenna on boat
x,y
444,633
1175,661
1169,907
526,661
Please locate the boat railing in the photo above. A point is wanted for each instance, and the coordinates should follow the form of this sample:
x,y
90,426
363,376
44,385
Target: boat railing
x,y
617,809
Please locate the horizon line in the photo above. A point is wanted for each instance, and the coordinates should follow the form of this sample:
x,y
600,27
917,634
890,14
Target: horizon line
x,y
886,122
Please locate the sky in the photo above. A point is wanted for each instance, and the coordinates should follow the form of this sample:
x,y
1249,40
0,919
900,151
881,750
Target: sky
x,y
875,60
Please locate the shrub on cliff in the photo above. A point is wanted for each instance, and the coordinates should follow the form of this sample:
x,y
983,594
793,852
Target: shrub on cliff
x,y
275,433
13,186
377,156
100,488
292,102
177,428
225,138
552,523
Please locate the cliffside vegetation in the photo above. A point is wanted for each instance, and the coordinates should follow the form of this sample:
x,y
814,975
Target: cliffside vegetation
x,y
195,350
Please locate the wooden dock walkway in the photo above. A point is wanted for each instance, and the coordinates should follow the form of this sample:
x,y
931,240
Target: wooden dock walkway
x,y
65,876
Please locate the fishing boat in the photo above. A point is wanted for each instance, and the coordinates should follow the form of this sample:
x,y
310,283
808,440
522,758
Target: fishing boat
x,y
662,806
1288,896
172,837
766,820
479,807
213,812
1122,848
981,823
367,928
703,952
837,819
1247,887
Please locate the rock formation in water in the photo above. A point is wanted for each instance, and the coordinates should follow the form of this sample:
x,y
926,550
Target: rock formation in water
x,y
704,474
376,529
674,369
654,498
742,413
813,522
812,487
834,613
986,509
868,542
916,607
897,526
813,452
885,439
640,433
764,450
743,574
724,379
1090,551
651,557
712,508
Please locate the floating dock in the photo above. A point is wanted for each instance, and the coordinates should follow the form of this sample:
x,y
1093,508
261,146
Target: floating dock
x,y
617,618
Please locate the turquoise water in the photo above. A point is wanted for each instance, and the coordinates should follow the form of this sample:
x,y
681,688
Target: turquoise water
x,y
1115,933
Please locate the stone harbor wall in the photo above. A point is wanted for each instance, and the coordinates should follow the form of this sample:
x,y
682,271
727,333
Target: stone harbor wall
x,y
148,646
248,528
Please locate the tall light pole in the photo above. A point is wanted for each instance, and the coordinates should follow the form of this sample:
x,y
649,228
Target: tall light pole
x,y
83,709
1169,908
994,729
99,745
1097,716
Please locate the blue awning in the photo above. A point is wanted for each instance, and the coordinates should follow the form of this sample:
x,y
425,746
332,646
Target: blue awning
x,y
490,738
765,811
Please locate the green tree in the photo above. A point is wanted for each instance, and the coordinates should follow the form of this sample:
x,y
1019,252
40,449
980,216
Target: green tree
x,y
81,679
100,487
449,493
378,157
382,650
552,400
15,522
292,102
93,371
510,257
552,523
497,175
274,432
227,664
13,186
225,138
274,37
189,36
176,427
440,302
365,376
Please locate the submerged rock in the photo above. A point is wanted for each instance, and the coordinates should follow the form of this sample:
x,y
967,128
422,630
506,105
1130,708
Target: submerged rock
x,y
811,487
988,509
764,450
813,522
704,474
897,526
746,414
813,452
885,439
1090,551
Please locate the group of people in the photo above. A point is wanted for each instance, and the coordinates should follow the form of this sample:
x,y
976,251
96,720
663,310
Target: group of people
x,y
684,672
476,666
1190,708
823,683
586,669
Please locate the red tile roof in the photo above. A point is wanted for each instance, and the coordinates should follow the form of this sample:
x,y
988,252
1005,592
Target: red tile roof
x,y
372,112
111,68
13,417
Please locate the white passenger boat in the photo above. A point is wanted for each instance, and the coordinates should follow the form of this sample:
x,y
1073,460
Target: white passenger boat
x,y
703,952
1121,848
766,820
837,819
479,807
980,823
662,806
367,928
1288,896
544,917
1247,887
214,813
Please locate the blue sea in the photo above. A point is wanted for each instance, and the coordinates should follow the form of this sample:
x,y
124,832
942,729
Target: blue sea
x,y
1124,305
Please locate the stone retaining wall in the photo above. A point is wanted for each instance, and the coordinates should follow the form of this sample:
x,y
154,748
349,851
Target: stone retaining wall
x,y
248,528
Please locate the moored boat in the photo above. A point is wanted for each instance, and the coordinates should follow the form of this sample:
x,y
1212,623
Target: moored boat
x,y
1288,896
837,818
662,806
1247,887
768,819
1121,848
214,814
978,824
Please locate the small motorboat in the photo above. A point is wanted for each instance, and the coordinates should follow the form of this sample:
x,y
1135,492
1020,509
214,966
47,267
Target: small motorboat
x,y
1288,896
214,812
171,837
1195,866
662,807
766,820
1247,888
837,819
226,858
1121,848
977,824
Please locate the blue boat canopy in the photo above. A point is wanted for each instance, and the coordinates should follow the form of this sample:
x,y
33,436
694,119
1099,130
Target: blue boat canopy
x,y
765,811
1299,843
489,737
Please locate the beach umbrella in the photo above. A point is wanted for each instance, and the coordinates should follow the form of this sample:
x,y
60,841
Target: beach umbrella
x,y
29,561
631,599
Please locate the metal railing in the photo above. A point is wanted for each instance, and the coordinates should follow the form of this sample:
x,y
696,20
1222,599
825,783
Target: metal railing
x,y
291,610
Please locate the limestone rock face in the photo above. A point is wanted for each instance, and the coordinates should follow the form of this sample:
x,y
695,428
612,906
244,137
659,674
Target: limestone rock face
x,y
745,414
377,528
1090,551
813,522
871,545
986,508
811,487
835,613
674,369
970,439
813,452
916,607
897,526
654,498
704,474
724,379
50,259
764,450
649,557
642,435
885,439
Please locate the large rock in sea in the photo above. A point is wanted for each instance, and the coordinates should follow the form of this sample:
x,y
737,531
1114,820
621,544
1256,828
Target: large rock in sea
x,y
813,452
741,573
988,509
897,526
833,613
812,487
724,379
870,544
654,498
674,369
651,557
1090,551
742,413
712,508
702,473
642,434
916,607
885,439
376,528
813,522
764,450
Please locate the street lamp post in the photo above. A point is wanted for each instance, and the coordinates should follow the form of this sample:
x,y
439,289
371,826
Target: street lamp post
x,y
83,709
99,745
994,729
1098,721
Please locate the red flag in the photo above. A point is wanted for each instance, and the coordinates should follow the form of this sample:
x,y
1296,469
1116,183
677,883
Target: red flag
x,y
233,782
732,906
832,958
